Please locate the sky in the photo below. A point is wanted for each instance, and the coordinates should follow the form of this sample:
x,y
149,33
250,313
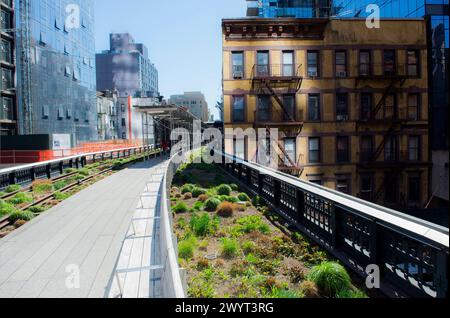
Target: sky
x,y
184,38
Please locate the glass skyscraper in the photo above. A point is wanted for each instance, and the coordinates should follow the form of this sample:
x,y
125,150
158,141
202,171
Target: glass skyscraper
x,y
55,51
288,8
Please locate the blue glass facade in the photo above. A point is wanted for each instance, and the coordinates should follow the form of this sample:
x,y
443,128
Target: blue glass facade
x,y
56,83
288,8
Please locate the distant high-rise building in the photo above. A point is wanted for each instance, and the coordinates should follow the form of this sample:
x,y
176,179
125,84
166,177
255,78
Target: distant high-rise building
x,y
126,67
288,8
195,102
55,68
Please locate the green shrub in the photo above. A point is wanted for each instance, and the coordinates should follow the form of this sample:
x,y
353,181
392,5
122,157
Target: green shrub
x,y
224,189
229,247
234,186
69,170
84,172
203,224
187,188
186,248
36,209
196,192
225,209
13,188
349,293
252,223
61,196
248,247
42,186
257,201
6,208
60,184
228,198
243,197
2,194
198,206
211,204
331,278
21,198
180,207
277,292
21,215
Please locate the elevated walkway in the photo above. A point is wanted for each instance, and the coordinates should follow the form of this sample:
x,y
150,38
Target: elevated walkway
x,y
74,249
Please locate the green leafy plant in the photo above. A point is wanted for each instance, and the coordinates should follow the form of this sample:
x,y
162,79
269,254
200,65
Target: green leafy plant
x,y
69,170
252,223
198,206
331,278
243,197
203,224
6,208
60,184
277,292
229,247
84,172
224,189
350,293
61,196
234,186
196,192
248,247
187,188
21,198
180,207
211,204
257,201
225,209
228,198
36,209
42,186
186,248
21,215
13,188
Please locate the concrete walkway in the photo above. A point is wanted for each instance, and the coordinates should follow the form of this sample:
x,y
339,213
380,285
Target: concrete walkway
x,y
73,249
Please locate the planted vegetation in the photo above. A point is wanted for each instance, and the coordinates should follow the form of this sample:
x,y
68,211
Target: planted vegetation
x,y
232,245
17,207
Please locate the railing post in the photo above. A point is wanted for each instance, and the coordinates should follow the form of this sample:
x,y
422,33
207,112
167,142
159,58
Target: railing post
x,y
71,163
48,171
441,271
93,158
12,178
333,226
260,183
61,167
32,174
77,162
277,192
300,205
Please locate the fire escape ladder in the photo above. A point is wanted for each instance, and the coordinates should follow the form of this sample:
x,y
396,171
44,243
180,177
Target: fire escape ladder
x,y
281,147
278,99
387,179
386,136
382,100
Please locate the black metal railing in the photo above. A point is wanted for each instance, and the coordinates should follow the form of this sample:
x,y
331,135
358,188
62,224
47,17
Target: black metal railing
x,y
26,174
412,254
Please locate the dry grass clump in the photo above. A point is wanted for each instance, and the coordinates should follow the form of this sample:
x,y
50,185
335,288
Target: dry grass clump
x,y
203,198
187,196
225,209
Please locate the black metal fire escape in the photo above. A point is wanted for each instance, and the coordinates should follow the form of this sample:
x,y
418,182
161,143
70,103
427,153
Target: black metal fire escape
x,y
265,80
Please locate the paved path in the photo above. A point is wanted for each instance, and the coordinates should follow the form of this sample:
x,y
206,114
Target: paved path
x,y
83,234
